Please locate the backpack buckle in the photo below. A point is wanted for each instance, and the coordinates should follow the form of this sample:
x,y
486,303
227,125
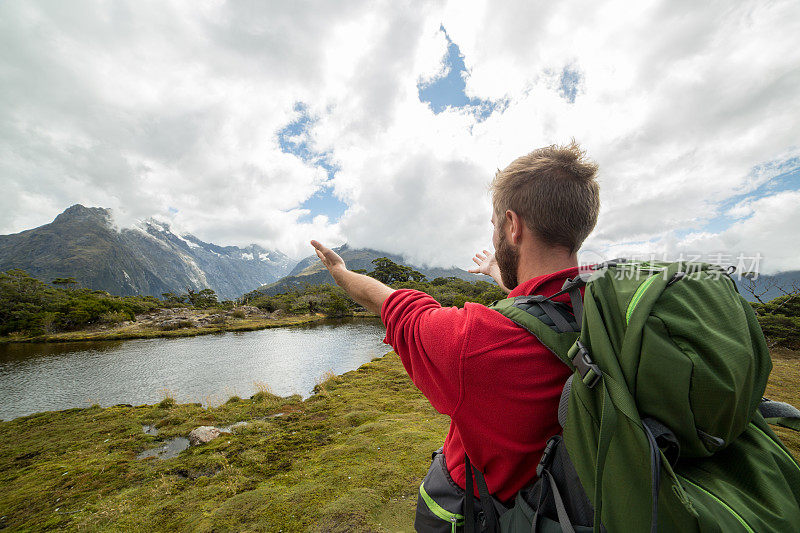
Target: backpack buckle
x,y
547,455
609,263
590,372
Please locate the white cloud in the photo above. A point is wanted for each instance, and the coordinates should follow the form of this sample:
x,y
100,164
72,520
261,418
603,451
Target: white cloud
x,y
149,108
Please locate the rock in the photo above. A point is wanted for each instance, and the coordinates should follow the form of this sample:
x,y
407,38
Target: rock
x,y
229,429
203,434
218,318
177,323
250,309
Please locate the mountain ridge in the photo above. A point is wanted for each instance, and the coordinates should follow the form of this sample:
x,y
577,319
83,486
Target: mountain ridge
x,y
311,271
148,259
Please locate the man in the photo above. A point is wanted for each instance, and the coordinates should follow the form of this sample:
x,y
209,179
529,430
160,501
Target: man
x,y
497,382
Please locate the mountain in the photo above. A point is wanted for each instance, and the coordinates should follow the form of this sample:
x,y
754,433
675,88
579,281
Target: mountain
x,y
311,271
768,287
82,242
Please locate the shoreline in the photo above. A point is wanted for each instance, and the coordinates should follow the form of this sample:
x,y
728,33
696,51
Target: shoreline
x,y
137,332
348,458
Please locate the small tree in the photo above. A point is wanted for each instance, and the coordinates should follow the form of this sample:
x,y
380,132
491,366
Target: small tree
x,y
387,271
172,298
759,286
66,283
202,299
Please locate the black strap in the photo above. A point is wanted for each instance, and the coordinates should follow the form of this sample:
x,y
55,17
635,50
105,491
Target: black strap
x,y
487,502
561,510
558,319
655,477
665,439
573,288
576,299
469,499
576,282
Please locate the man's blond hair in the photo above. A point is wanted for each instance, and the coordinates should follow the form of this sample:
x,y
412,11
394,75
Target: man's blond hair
x,y
554,190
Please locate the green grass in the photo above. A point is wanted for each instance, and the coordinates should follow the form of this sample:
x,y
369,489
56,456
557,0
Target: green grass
x,y
784,385
350,458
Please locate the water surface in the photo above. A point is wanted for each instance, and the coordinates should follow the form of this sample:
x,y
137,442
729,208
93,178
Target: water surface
x,y
37,377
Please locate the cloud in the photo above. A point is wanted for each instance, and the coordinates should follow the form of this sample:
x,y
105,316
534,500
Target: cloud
x,y
185,110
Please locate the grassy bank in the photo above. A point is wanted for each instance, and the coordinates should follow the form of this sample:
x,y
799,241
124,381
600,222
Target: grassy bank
x,y
348,458
142,331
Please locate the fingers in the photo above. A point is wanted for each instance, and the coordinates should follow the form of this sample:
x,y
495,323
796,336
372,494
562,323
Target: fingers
x,y
319,247
477,260
474,270
321,251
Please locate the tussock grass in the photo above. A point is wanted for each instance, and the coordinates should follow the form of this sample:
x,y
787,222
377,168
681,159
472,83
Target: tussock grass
x,y
350,459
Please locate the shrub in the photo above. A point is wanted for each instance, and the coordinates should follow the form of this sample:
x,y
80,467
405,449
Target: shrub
x,y
238,313
113,317
167,403
217,319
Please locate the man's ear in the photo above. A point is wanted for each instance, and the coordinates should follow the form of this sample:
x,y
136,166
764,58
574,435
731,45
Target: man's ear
x,y
515,223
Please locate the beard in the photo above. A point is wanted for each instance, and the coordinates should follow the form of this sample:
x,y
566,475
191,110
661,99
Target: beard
x,y
507,256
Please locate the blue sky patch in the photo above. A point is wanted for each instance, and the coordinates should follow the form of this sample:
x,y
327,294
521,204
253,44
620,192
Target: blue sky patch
x,y
569,83
294,139
323,202
449,89
788,180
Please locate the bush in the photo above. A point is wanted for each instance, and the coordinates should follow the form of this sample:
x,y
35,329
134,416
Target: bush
x,y
30,306
780,321
217,319
167,403
238,313
113,317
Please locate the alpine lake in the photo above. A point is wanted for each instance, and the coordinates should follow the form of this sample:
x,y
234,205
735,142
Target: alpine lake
x,y
208,369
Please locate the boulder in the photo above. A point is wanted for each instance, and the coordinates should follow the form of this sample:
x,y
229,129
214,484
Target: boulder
x,y
203,434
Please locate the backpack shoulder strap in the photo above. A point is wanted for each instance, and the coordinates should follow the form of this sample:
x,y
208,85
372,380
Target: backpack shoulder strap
x,y
551,322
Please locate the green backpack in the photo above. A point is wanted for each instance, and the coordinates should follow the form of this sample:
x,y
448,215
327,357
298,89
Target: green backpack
x,y
664,424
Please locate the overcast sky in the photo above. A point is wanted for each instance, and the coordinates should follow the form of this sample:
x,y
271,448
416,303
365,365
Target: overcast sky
x,y
381,123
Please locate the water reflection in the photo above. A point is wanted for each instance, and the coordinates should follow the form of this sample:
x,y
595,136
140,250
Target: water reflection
x,y
208,368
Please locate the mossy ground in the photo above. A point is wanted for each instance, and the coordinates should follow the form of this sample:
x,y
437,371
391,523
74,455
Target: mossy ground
x,y
349,458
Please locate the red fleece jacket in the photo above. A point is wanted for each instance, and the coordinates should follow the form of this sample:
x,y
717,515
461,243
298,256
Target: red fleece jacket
x,y
497,382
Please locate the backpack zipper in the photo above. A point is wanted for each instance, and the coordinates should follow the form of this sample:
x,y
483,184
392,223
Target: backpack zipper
x,y
638,296
718,500
440,511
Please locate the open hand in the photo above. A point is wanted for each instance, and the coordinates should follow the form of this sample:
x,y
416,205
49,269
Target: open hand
x,y
329,258
487,264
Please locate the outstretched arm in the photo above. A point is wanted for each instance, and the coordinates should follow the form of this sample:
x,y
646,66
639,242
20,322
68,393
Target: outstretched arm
x,y
487,264
365,290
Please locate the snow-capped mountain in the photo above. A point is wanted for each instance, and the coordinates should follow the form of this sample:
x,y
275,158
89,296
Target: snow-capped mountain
x,y
147,259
